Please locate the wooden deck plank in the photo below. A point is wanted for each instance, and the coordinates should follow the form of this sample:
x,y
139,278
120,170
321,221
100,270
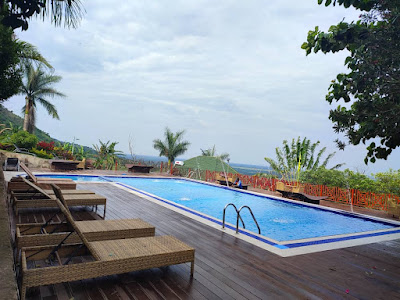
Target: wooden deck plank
x,y
229,268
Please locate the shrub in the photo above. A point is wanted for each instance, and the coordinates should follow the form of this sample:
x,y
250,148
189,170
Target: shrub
x,y
6,146
387,182
24,139
41,153
63,153
48,147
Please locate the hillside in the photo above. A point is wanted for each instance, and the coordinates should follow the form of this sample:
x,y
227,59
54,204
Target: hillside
x,y
7,117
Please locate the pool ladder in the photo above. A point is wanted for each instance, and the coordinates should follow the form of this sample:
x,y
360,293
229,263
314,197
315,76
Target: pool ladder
x,y
238,216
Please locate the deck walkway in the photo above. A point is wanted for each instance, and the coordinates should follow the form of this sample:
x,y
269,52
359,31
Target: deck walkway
x,y
229,268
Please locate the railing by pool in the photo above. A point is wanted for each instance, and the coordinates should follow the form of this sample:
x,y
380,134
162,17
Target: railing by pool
x,y
335,194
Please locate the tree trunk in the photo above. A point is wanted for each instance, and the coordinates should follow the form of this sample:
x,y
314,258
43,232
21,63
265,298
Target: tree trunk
x,y
26,116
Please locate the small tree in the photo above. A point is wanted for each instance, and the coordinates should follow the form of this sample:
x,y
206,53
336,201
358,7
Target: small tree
x,y
212,152
172,146
298,156
106,156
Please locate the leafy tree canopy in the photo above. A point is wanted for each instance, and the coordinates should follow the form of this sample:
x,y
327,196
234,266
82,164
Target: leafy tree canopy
x,y
386,182
10,73
17,12
372,85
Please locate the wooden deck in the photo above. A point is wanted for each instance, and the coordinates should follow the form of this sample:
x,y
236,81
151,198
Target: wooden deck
x,y
229,268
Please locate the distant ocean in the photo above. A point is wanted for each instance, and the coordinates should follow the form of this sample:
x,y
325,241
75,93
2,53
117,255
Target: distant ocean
x,y
245,169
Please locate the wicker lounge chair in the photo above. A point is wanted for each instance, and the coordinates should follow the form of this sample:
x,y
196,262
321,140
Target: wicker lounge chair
x,y
17,183
29,235
35,191
49,201
107,258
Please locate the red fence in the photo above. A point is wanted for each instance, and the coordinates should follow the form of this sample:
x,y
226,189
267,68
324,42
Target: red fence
x,y
335,194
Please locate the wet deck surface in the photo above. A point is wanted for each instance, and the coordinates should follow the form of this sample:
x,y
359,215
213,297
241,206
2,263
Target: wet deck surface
x,y
229,268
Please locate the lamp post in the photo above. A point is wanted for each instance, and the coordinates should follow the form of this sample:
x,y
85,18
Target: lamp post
x,y
73,144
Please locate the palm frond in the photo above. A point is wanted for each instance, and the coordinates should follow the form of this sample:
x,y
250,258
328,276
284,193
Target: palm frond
x,y
69,12
50,108
29,53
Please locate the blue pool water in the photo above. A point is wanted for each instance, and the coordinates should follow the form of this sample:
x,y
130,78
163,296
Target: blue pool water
x,y
86,178
279,220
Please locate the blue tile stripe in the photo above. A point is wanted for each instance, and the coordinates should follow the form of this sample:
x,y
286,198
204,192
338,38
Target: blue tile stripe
x,y
346,238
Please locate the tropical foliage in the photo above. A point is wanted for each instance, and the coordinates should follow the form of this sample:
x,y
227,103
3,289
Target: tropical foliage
x,y
42,145
10,73
37,86
28,53
23,139
298,156
372,85
15,55
386,182
172,146
212,152
41,153
106,156
16,13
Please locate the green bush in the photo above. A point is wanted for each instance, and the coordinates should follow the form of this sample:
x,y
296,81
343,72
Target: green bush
x,y
6,146
24,139
384,183
389,181
41,153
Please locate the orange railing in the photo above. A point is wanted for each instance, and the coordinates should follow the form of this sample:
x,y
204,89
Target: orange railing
x,y
334,194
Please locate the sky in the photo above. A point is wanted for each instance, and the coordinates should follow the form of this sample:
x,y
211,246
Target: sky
x,y
230,73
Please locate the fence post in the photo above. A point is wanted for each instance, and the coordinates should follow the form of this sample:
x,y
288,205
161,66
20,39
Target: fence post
x,y
352,197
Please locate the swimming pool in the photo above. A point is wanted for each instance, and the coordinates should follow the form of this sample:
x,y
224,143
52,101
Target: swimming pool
x,y
285,225
278,220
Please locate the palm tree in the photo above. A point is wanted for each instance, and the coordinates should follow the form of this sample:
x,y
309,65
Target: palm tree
x,y
212,152
36,86
172,145
297,157
107,156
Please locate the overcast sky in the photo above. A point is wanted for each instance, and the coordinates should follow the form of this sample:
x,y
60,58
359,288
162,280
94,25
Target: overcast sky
x,y
230,73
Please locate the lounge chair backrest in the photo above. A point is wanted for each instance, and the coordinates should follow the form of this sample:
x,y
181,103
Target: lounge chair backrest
x,y
62,204
28,172
59,195
37,188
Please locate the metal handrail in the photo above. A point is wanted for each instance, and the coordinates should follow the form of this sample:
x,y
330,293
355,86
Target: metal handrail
x,y
238,216
223,216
